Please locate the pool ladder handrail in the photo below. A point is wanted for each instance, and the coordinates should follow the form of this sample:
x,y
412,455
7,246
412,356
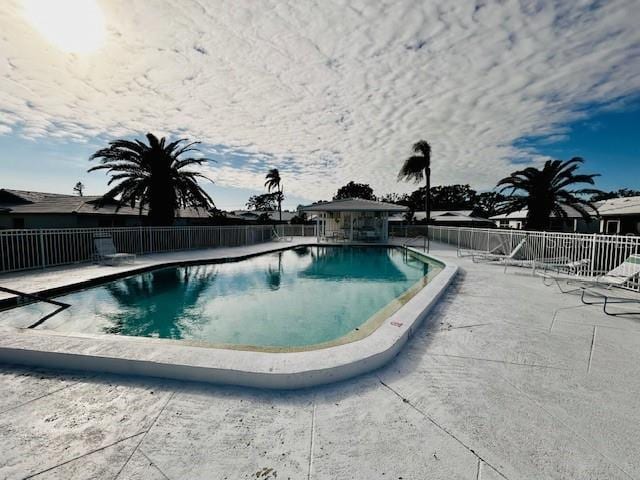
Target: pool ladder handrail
x,y
425,246
33,296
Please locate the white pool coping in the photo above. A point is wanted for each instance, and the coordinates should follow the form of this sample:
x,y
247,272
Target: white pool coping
x,y
168,359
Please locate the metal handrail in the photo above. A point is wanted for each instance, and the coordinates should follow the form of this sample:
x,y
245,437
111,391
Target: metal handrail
x,y
425,245
61,305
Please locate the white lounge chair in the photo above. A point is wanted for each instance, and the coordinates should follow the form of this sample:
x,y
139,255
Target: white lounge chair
x,y
611,295
560,265
623,273
497,250
283,238
106,251
498,257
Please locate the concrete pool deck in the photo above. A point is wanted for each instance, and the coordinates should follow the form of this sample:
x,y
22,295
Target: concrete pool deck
x,y
507,379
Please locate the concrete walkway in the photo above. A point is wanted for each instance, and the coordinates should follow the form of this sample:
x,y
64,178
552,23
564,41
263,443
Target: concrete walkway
x,y
509,379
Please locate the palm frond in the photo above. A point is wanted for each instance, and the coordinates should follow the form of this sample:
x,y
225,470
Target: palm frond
x,y
153,175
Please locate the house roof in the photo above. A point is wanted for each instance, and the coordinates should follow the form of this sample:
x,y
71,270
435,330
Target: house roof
x,y
421,214
522,214
460,219
24,202
254,214
354,205
442,216
619,206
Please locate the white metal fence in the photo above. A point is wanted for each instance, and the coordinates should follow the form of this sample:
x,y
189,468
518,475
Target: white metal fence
x,y
41,248
601,253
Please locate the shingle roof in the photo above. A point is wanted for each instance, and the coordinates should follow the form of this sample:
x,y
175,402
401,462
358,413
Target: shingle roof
x,y
421,214
522,214
354,205
619,206
55,203
254,214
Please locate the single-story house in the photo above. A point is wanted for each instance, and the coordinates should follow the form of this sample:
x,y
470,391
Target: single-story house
x,y
574,222
353,219
620,216
26,209
253,215
448,218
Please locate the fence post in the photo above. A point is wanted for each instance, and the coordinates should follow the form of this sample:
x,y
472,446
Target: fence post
x,y
42,250
593,253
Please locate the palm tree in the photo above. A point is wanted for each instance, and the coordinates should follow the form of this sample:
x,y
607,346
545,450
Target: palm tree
x,y
274,182
544,191
418,167
153,175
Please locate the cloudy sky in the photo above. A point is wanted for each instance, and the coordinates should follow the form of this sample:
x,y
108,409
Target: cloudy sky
x,y
327,91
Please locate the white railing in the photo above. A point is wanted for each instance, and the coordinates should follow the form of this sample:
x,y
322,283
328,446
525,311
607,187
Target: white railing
x,y
601,253
41,248
296,230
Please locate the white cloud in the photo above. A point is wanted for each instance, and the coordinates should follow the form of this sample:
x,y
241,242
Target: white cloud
x,y
328,91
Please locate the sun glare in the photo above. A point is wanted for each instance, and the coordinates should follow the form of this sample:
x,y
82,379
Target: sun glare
x,y
74,26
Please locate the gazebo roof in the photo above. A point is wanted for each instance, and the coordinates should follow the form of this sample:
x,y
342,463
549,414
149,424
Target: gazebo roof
x,y
354,205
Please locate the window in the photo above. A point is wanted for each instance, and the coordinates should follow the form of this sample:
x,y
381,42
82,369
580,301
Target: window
x,y
612,227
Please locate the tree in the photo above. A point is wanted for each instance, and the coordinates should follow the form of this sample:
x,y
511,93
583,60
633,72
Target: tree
x,y
265,202
452,197
274,182
300,218
544,191
394,198
418,167
621,193
355,190
154,175
79,188
486,204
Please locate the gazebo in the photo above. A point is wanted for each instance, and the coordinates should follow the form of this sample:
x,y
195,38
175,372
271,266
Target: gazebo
x,y
353,219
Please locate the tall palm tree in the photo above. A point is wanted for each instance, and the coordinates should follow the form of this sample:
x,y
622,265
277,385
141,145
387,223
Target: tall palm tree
x,y
417,168
274,182
153,176
544,192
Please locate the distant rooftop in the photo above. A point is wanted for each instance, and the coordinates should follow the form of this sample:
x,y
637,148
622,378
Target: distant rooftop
x,y
522,214
354,205
619,206
27,202
254,214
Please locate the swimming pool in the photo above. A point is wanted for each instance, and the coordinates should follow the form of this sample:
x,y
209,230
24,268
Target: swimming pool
x,y
302,298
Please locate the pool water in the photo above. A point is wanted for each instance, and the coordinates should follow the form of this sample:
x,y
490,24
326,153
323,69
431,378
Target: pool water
x,y
292,299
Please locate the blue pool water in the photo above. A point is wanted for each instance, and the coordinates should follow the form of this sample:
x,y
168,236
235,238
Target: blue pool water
x,y
290,299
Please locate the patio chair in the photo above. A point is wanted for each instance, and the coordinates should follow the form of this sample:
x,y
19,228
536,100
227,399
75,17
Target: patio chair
x,y
560,265
497,257
106,251
617,277
501,248
283,238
